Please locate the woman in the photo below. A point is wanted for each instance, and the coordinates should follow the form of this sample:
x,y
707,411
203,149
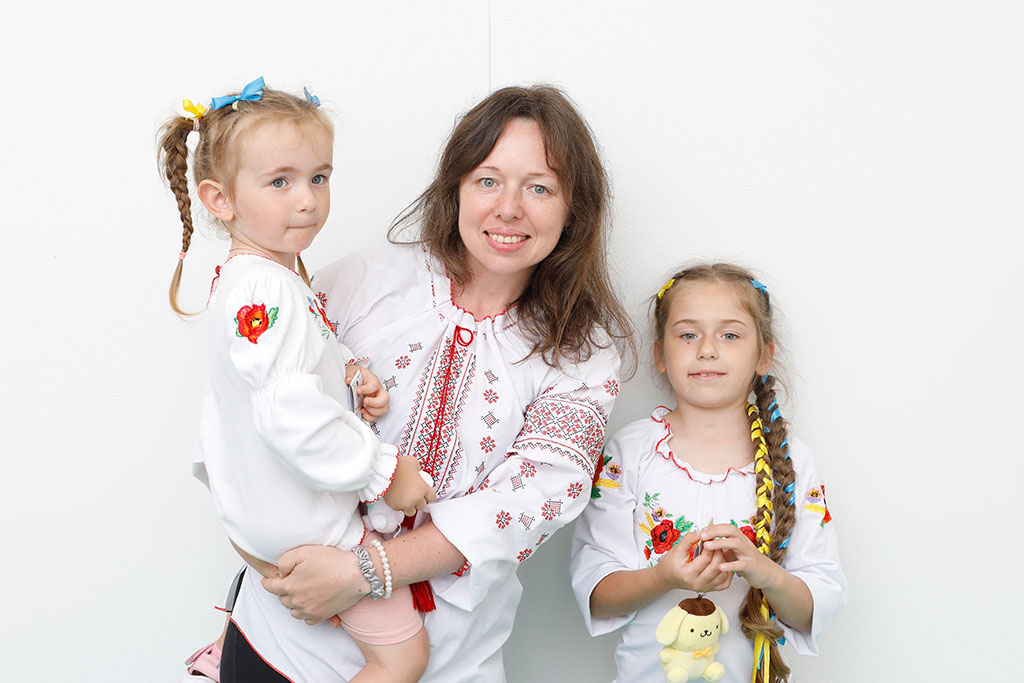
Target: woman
x,y
494,333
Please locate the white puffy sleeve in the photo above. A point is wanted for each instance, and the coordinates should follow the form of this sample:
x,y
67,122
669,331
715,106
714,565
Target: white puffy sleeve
x,y
541,484
277,339
603,542
813,551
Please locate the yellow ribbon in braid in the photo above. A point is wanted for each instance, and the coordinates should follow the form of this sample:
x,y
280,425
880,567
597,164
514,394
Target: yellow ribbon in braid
x,y
762,657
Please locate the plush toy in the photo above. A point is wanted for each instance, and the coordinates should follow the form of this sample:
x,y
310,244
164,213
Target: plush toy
x,y
690,634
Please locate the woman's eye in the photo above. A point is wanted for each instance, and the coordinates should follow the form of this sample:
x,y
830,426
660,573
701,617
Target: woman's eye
x,y
279,183
487,182
319,179
539,189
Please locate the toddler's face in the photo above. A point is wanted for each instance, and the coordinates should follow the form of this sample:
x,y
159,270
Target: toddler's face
x,y
710,349
281,194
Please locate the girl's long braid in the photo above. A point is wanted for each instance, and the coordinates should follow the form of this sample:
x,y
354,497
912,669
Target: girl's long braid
x,y
774,522
174,161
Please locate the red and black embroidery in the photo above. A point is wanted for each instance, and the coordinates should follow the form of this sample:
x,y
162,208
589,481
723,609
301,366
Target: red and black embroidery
x,y
503,519
575,489
524,553
551,509
612,387
570,425
431,435
487,444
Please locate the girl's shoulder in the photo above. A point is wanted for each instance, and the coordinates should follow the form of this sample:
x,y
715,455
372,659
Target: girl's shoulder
x,y
388,265
639,439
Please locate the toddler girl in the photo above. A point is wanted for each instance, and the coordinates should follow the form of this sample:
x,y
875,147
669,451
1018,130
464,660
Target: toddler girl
x,y
718,471
286,460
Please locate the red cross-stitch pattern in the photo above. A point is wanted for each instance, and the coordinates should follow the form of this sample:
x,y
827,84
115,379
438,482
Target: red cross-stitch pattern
x,y
575,489
487,444
612,387
490,395
527,470
572,426
551,509
430,433
523,554
503,519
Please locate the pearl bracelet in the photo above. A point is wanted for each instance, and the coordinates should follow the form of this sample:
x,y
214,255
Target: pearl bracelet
x,y
377,589
385,564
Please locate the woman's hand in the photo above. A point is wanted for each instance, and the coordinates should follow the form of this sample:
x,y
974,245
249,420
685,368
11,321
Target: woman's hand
x,y
703,574
317,582
408,492
375,396
740,554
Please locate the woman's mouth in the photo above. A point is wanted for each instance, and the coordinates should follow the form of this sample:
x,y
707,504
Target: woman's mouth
x,y
506,239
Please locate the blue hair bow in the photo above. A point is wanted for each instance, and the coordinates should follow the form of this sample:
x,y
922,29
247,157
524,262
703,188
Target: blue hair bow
x,y
252,91
759,286
310,97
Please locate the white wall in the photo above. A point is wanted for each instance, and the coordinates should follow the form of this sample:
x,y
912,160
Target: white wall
x,y
864,156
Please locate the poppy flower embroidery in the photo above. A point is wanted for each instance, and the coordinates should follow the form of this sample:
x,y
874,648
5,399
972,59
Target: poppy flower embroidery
x,y
663,531
254,320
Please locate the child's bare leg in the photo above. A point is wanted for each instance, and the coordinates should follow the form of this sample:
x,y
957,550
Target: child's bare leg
x,y
402,662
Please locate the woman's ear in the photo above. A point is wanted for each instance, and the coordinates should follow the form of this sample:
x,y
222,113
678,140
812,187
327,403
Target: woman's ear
x,y
216,200
764,364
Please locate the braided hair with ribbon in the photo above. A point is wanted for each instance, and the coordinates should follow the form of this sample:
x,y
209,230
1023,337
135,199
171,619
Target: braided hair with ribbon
x,y
775,478
222,128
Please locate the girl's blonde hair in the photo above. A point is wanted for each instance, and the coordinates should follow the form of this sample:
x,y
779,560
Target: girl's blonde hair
x,y
221,134
776,479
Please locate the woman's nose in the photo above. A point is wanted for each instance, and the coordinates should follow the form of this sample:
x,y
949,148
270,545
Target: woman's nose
x,y
508,206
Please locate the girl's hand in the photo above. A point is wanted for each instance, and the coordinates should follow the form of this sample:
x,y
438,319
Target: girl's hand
x,y
317,582
740,555
408,491
701,575
375,396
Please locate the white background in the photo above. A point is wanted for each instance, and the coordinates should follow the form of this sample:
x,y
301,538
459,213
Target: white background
x,y
864,157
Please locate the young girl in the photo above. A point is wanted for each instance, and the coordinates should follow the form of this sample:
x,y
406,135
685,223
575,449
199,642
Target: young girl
x,y
714,470
285,459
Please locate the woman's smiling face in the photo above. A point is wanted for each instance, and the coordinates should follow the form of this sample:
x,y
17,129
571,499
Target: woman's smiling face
x,y
512,207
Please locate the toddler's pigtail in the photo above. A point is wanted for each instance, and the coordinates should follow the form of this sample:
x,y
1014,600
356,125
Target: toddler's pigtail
x,y
301,268
174,164
756,620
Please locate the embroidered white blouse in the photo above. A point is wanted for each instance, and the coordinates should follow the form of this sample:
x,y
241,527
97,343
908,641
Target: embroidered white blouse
x,y
510,443
286,460
646,497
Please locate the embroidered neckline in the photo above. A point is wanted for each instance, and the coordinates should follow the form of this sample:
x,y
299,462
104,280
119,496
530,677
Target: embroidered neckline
x,y
216,271
450,300
662,449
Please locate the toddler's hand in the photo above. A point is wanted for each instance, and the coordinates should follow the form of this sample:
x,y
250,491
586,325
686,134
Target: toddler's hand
x,y
739,554
701,575
375,396
408,491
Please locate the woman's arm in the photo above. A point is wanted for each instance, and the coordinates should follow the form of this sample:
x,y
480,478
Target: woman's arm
x,y
318,582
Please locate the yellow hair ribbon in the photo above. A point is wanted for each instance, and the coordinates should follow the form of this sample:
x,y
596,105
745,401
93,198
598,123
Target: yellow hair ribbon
x,y
762,651
197,110
666,287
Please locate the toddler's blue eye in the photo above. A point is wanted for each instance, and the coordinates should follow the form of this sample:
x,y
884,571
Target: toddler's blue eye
x,y
688,336
731,336
279,183
319,179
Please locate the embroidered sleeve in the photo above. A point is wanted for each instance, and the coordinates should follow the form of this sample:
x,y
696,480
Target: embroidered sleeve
x,y
540,485
279,335
603,542
813,551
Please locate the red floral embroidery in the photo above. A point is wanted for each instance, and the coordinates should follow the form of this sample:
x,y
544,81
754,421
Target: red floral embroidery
x,y
647,552
748,531
664,536
503,519
575,489
523,554
402,362
487,444
612,387
319,310
527,470
254,320
490,395
551,509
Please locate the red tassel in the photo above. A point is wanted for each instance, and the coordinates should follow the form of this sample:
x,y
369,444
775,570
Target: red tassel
x,y
422,596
